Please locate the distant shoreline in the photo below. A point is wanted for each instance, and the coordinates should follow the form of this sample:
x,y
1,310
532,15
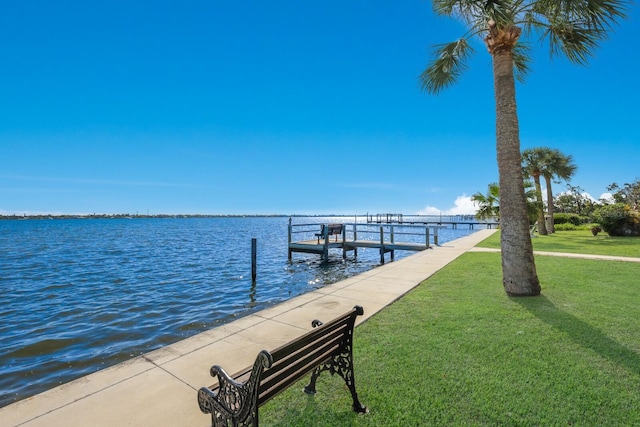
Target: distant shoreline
x,y
136,216
378,218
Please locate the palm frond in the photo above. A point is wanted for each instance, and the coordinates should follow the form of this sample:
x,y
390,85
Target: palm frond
x,y
521,61
531,21
599,15
576,43
503,13
575,27
447,66
488,204
444,7
476,14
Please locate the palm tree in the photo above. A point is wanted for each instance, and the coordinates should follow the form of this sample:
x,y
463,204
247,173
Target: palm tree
x,y
560,166
488,204
533,162
572,28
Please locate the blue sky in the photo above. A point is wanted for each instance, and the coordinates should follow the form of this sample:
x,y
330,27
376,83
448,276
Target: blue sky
x,y
287,107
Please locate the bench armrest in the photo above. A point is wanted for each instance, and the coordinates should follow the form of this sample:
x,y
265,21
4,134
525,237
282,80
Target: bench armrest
x,y
233,398
227,397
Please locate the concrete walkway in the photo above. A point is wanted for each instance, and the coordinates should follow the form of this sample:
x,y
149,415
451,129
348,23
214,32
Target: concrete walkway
x,y
159,388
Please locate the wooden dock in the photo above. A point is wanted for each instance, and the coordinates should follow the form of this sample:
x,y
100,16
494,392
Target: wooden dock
x,y
386,238
453,221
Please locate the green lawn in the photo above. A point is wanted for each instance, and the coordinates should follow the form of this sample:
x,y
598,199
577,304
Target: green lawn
x,y
581,241
457,351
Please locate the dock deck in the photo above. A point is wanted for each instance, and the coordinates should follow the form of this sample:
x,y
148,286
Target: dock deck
x,y
379,236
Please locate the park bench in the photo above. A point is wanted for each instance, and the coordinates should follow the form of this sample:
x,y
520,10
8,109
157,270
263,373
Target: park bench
x,y
329,230
235,399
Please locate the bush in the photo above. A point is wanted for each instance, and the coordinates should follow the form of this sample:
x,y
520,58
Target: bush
x,y
618,220
565,226
569,218
592,225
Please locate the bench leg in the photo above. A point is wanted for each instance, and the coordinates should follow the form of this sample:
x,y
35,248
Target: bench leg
x,y
342,365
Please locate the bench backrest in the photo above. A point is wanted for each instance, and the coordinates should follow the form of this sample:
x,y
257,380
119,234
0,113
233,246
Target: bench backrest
x,y
300,356
335,229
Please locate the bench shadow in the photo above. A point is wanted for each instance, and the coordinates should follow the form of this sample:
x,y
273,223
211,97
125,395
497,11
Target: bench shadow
x,y
581,332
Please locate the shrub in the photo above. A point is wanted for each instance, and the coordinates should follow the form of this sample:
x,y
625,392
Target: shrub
x,y
618,220
569,218
565,226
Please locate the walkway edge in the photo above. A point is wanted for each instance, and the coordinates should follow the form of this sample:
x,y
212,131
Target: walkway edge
x,y
568,255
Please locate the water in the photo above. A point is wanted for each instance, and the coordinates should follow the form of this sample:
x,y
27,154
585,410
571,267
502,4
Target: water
x,y
78,295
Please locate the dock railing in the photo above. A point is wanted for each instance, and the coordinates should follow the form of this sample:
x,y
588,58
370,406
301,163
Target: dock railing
x,y
390,237
453,221
309,231
390,233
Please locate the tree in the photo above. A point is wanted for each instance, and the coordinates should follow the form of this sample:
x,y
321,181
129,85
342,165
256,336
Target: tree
x,y
629,194
488,204
572,28
560,166
576,201
533,161
618,219
548,163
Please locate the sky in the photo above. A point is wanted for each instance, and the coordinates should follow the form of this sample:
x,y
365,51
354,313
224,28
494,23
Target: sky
x,y
287,107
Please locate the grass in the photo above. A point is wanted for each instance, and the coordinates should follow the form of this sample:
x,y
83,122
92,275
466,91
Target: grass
x,y
457,351
579,241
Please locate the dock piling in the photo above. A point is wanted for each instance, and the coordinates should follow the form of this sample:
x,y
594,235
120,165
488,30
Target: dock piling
x,y
254,256
289,243
393,252
381,245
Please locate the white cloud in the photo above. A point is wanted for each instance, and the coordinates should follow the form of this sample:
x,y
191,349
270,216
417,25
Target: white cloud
x,y
608,197
462,206
588,196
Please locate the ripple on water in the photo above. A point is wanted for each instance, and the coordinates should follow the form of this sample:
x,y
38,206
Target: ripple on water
x,y
45,347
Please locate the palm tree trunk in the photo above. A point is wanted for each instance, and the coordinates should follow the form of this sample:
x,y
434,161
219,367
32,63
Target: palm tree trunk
x,y
552,227
542,226
519,275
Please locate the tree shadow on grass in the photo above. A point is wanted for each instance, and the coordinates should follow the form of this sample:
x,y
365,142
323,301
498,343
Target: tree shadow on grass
x,y
581,332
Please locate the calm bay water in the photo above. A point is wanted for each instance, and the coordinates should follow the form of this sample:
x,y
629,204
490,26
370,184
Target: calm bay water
x,y
79,295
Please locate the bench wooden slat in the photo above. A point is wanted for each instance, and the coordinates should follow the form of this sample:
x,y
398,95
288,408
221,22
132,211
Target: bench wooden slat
x,y
294,360
289,363
287,373
314,337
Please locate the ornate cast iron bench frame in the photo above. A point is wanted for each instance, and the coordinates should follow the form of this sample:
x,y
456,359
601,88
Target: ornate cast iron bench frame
x,y
235,400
